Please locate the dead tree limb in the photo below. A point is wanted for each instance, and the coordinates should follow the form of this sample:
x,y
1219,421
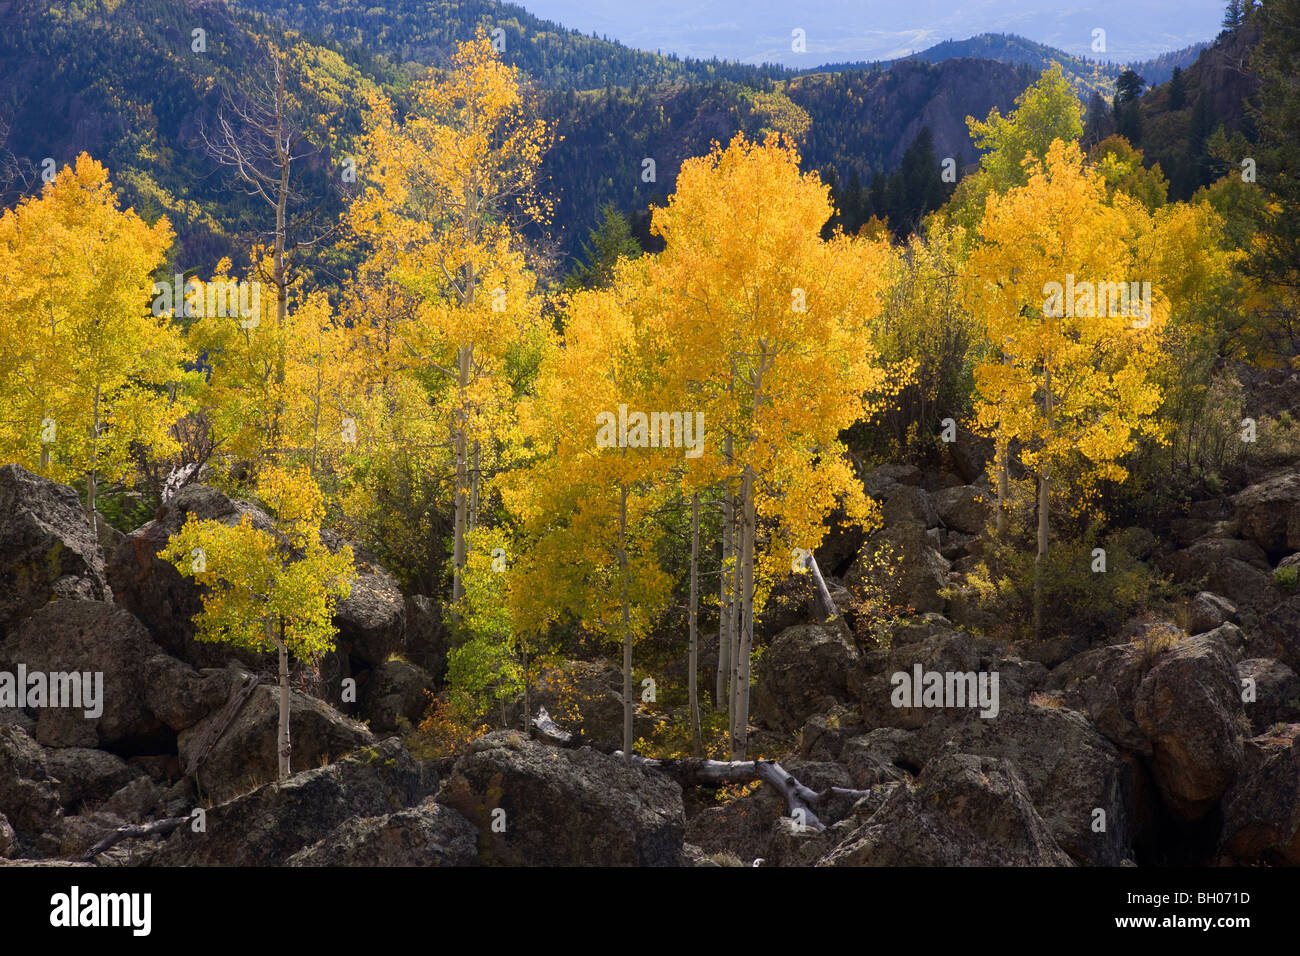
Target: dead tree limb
x,y
802,802
548,731
131,831
239,693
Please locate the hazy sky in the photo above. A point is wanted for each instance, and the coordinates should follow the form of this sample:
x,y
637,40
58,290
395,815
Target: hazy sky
x,y
753,31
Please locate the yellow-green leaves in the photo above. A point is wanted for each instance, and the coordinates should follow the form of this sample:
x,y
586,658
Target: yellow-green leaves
x,y
260,582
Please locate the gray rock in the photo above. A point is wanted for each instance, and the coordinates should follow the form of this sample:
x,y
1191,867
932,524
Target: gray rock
x,y
965,810
1269,512
88,777
964,508
154,591
1277,693
1207,611
245,755
28,795
267,826
89,637
427,835
1189,707
395,690
1070,771
47,546
565,807
1261,813
178,695
426,637
803,672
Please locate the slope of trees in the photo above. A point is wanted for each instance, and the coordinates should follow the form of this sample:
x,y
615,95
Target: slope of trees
x,y
648,455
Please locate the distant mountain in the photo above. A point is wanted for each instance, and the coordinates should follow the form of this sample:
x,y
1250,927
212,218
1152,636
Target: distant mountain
x,y
851,31
1086,74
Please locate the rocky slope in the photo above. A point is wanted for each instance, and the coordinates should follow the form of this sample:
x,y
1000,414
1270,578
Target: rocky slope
x,y
1124,751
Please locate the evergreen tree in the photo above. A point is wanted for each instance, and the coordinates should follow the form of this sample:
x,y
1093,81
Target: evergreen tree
x,y
609,241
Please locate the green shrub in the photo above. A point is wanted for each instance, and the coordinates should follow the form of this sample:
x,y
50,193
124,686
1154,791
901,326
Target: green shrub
x,y
1285,578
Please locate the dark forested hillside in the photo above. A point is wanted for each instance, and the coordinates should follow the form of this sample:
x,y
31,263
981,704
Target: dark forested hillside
x,y
425,31
127,87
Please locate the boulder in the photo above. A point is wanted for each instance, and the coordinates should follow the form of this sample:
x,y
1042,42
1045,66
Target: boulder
x,y
824,735
29,797
804,671
1103,685
564,807
878,683
1261,813
48,548
1238,570
267,826
154,591
1269,512
585,697
372,619
395,690
1189,706
426,637
1207,611
1277,693
970,454
907,503
900,562
180,696
86,777
371,622
742,826
878,757
964,508
8,839
1070,770
1278,633
245,757
965,810
135,802
881,481
427,835
90,637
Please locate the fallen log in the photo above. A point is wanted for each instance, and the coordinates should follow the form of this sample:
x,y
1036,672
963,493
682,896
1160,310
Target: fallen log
x,y
548,731
803,803
131,831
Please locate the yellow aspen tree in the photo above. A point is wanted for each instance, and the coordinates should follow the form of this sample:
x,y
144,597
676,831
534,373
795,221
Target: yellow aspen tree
x,y
772,327
1055,282
446,189
587,505
88,368
268,589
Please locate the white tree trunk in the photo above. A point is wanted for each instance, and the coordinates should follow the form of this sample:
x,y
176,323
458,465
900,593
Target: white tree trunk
x,y
693,693
740,740
627,628
285,748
